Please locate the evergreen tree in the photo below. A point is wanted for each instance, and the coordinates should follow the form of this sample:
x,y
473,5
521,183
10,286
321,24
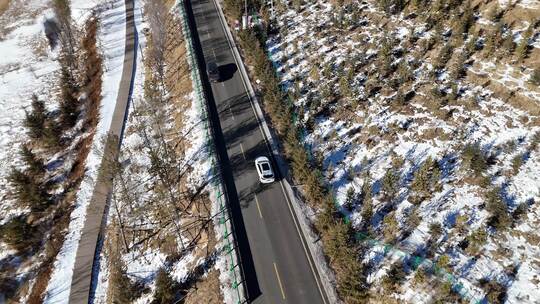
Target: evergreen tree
x,y
499,214
458,68
350,199
535,77
390,227
35,120
18,234
444,56
390,183
474,159
509,45
69,105
523,47
165,288
476,241
35,165
489,44
424,180
28,191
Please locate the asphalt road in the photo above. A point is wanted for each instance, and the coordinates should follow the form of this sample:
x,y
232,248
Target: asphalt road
x,y
81,283
282,266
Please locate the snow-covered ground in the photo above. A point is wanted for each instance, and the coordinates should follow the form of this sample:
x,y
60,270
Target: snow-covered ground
x,y
367,133
112,39
26,67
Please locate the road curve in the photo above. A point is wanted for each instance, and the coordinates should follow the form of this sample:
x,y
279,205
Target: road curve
x,y
283,271
84,261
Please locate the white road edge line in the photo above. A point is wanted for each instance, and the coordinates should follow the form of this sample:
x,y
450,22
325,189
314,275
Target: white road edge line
x,y
315,274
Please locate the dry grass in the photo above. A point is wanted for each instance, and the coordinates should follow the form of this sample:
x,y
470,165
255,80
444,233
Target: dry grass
x,y
206,290
4,4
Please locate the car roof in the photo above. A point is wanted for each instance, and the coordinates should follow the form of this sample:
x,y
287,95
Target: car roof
x,y
262,159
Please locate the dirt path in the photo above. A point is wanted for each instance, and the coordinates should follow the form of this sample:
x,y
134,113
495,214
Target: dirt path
x,y
84,261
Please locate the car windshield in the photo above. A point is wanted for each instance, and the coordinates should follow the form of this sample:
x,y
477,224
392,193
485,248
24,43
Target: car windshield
x,y
267,175
265,166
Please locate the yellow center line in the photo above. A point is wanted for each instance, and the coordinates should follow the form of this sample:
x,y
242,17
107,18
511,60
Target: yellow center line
x,y
242,149
279,282
258,207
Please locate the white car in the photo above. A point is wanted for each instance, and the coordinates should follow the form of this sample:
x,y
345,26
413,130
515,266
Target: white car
x,y
266,175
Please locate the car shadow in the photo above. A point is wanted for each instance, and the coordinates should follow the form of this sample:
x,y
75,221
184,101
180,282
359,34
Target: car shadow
x,y
227,71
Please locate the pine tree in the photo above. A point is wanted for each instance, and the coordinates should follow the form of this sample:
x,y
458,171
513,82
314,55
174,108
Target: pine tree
x,y
535,77
52,135
345,87
35,120
489,45
499,214
69,105
28,192
509,45
165,288
476,240
36,167
474,159
390,183
367,200
385,56
458,68
444,56
350,199
390,227
523,47
424,179
18,234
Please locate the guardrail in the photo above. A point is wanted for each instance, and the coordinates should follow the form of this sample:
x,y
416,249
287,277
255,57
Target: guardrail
x,y
237,287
